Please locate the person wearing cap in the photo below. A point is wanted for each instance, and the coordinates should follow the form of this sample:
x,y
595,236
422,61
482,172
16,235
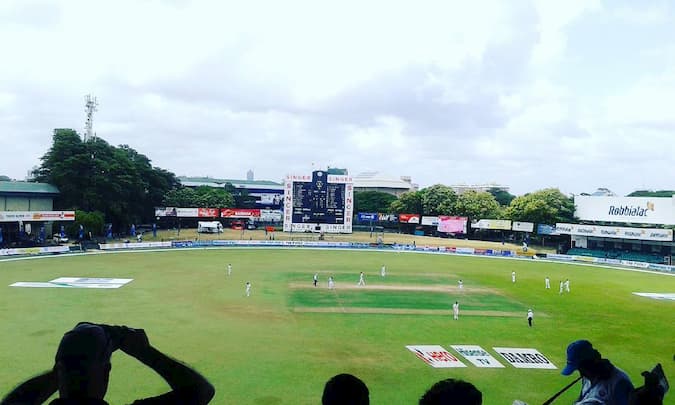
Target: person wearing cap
x,y
530,316
82,370
601,381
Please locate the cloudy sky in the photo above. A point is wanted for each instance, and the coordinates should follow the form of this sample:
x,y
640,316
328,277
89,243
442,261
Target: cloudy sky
x,y
529,94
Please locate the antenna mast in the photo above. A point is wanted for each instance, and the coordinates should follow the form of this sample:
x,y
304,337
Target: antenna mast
x,y
90,106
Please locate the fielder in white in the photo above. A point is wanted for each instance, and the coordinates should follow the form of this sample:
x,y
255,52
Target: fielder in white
x,y
567,285
248,288
361,280
548,283
561,286
331,283
530,316
460,283
383,271
229,269
455,310
513,276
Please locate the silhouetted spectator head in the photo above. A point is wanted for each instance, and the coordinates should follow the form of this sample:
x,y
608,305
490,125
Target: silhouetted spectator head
x,y
83,362
581,356
345,389
452,392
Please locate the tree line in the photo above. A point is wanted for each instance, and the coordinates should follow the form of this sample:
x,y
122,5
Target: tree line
x,y
120,186
546,206
116,184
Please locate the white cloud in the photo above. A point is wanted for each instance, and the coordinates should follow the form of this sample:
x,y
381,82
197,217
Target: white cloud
x,y
447,92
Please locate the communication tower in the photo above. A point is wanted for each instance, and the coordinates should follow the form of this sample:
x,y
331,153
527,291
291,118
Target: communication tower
x,y
90,106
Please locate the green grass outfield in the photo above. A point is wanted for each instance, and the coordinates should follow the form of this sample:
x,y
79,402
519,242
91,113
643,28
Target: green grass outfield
x,y
280,345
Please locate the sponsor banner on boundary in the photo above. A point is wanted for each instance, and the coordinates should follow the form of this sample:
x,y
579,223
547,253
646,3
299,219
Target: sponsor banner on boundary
x,y
436,356
207,212
657,296
544,229
240,213
34,250
661,267
616,232
133,245
76,282
409,218
465,250
503,224
367,216
271,215
176,212
524,357
477,356
432,221
28,216
452,224
522,226
643,210
387,217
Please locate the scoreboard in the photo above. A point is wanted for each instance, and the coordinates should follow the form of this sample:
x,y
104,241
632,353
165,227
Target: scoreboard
x,y
319,203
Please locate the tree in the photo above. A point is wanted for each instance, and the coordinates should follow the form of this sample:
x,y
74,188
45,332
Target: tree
x,y
200,197
91,221
503,197
408,203
649,193
372,201
95,176
438,200
242,199
477,205
546,206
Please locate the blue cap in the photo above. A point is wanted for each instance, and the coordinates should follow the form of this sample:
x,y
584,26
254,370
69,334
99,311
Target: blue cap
x,y
578,352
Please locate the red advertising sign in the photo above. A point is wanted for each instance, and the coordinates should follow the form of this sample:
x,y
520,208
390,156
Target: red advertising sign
x,y
239,213
207,212
409,218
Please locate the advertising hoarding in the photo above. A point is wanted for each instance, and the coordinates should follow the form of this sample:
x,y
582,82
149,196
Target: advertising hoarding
x,y
387,217
449,224
522,226
431,221
27,216
240,213
543,229
409,218
492,224
641,210
367,216
616,232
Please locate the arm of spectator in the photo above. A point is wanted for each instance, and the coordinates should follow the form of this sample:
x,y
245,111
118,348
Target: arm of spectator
x,y
33,391
188,386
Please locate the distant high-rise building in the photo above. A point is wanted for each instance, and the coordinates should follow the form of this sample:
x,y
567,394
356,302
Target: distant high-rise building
x,y
249,175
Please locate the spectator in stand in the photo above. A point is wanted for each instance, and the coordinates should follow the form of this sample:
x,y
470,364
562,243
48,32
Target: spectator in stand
x,y
452,392
345,389
82,369
601,382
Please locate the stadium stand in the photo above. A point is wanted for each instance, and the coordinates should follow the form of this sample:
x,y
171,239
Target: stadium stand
x,y
617,254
